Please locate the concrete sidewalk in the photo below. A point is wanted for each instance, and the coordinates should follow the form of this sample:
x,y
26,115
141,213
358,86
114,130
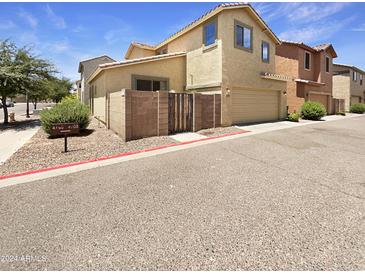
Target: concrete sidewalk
x,y
272,126
12,139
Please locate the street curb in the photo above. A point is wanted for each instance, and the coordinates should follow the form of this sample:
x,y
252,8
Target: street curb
x,y
124,154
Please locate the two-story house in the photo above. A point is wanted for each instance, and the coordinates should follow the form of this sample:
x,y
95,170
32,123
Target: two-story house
x,y
348,84
86,68
229,51
311,71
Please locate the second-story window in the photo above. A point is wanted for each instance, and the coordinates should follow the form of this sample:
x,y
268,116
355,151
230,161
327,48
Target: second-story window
x,y
243,36
307,60
210,33
354,76
265,52
327,64
361,79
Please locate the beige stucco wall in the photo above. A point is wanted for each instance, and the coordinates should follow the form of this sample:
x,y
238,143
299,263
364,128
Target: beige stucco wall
x,y
204,66
345,88
88,67
189,41
140,53
341,89
355,88
116,79
242,69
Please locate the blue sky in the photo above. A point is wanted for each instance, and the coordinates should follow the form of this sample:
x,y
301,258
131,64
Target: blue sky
x,y
66,33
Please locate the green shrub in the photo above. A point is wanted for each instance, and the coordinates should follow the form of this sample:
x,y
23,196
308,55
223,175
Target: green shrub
x,y
357,108
69,110
293,117
313,110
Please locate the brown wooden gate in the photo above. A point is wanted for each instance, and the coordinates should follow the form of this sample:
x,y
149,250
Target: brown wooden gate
x,y
180,112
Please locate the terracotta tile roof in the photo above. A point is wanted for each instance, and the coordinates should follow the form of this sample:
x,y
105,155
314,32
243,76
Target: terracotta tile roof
x,y
318,48
322,47
142,45
134,61
144,59
350,67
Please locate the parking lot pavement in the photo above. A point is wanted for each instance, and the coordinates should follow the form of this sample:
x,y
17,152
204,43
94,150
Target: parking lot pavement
x,y
291,199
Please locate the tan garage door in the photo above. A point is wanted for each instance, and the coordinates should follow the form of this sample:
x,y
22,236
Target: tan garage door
x,y
254,106
355,100
320,98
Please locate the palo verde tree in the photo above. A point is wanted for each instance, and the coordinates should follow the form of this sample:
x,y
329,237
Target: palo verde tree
x,y
37,73
11,74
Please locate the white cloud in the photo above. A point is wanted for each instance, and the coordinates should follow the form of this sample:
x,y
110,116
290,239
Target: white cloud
x,y
58,21
311,12
272,11
122,34
314,32
60,46
29,18
6,25
78,29
299,13
359,28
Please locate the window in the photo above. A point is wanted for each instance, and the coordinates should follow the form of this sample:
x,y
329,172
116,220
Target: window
x,y
354,76
210,33
243,36
144,83
307,60
361,78
265,52
327,64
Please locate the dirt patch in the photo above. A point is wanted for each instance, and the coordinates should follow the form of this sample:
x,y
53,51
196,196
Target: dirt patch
x,y
41,151
214,132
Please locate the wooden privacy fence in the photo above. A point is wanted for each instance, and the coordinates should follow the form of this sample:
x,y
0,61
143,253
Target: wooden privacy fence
x,y
180,112
338,105
138,114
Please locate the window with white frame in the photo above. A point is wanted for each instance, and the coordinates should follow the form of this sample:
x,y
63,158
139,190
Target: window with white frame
x,y
354,76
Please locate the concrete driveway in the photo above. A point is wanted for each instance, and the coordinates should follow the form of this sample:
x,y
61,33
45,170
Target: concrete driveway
x,y
287,200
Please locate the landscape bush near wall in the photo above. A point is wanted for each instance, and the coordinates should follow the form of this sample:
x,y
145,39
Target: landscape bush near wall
x,y
69,110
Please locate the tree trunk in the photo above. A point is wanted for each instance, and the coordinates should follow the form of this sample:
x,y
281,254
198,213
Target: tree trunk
x,y
27,100
6,118
35,103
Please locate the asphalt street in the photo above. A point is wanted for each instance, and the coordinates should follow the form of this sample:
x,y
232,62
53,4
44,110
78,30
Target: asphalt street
x,y
287,200
20,110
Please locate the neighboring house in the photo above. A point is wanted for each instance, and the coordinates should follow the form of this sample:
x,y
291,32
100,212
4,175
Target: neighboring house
x,y
229,51
348,84
86,68
311,71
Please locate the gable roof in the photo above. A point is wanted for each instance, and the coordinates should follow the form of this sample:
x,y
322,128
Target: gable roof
x,y
94,58
213,12
105,66
314,49
137,45
349,67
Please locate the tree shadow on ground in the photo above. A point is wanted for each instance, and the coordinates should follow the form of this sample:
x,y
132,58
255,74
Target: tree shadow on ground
x,y
20,125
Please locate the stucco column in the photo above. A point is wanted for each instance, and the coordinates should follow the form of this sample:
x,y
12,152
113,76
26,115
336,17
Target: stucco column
x,y
162,113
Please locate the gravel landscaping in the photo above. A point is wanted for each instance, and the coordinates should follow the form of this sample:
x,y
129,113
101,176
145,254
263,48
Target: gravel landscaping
x,y
213,132
41,151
